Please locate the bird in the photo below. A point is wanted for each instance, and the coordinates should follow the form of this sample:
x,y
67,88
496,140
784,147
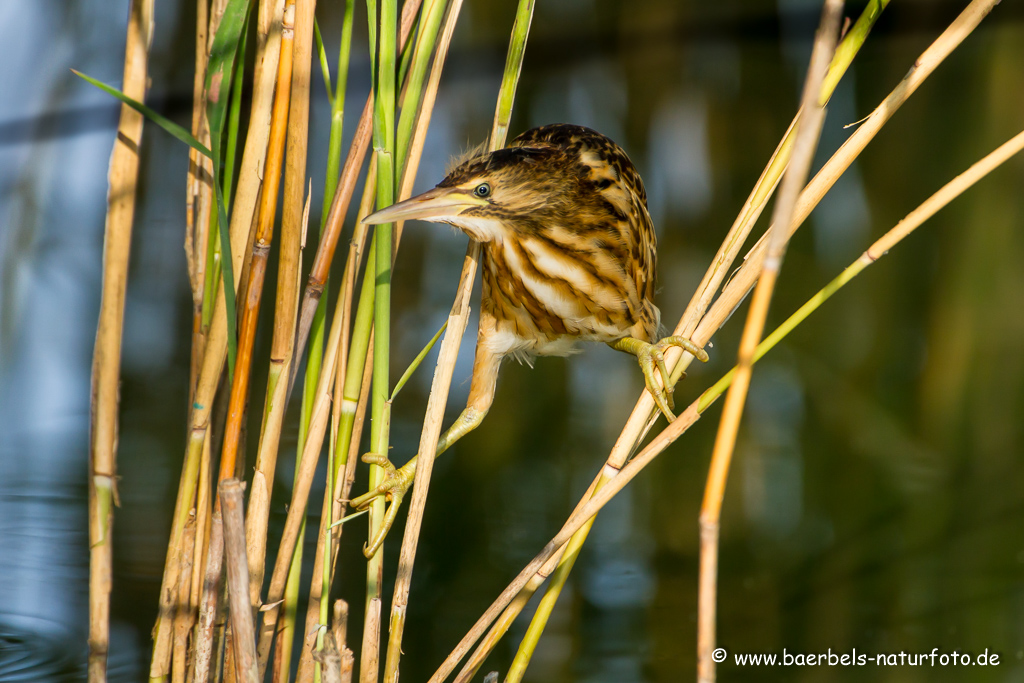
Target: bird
x,y
568,255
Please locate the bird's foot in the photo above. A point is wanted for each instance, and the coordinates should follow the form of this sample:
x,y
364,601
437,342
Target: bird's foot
x,y
393,487
652,363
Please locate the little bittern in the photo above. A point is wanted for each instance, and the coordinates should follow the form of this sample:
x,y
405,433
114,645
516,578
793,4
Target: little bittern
x,y
568,255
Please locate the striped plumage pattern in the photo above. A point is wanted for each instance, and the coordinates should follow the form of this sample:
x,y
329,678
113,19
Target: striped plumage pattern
x,y
569,248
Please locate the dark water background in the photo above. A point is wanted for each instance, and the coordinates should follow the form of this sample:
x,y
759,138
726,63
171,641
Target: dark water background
x,y
875,500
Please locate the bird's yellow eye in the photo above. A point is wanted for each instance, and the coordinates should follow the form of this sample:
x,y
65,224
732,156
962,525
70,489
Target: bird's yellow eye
x,y
482,190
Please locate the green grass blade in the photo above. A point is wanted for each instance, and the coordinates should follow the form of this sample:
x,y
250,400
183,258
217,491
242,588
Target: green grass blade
x,y
162,121
218,80
417,360
510,78
235,114
325,68
429,25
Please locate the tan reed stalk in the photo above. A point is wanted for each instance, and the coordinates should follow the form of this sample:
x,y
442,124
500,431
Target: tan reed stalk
x,y
286,304
804,147
215,353
204,512
300,492
339,629
458,319
122,179
184,617
739,285
502,623
336,499
230,492
923,67
286,630
198,194
203,647
260,251
339,206
261,245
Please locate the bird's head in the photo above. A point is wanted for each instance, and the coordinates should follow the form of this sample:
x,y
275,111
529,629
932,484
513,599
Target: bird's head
x,y
549,174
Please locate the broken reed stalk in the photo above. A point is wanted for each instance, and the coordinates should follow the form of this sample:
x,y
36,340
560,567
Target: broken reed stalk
x,y
203,647
738,286
457,321
804,147
243,632
644,414
122,180
215,352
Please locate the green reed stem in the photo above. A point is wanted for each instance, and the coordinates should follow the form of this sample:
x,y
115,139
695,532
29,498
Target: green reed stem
x,y
384,149
337,99
510,79
424,50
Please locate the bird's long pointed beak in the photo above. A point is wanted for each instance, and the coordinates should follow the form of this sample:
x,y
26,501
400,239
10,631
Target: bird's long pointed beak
x,y
434,205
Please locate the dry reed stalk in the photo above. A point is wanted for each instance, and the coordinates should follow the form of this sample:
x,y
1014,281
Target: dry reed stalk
x,y
289,267
502,623
804,147
336,658
242,629
923,67
215,353
340,631
203,516
300,493
122,179
201,206
738,286
339,205
184,617
644,412
203,647
336,500
198,180
261,246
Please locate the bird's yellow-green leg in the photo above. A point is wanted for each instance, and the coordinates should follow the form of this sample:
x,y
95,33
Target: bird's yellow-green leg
x,y
652,360
397,481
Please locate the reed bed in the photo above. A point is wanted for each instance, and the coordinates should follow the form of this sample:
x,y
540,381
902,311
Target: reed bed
x,y
226,613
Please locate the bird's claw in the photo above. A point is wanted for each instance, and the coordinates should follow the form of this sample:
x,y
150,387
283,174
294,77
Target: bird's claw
x,y
393,487
652,363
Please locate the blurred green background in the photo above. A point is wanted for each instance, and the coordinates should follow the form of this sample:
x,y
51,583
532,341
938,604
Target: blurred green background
x,y
875,500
